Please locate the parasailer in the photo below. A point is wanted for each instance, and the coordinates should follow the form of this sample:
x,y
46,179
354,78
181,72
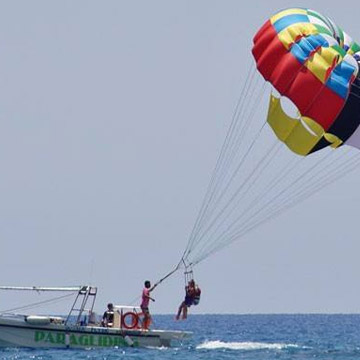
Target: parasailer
x,y
192,297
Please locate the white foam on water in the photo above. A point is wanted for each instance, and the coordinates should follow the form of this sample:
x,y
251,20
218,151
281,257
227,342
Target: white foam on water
x,y
217,344
159,347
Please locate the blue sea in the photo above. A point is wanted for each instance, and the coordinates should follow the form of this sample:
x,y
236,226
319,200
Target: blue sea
x,y
233,337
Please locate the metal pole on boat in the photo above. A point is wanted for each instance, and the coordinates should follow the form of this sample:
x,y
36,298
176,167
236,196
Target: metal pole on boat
x,y
42,288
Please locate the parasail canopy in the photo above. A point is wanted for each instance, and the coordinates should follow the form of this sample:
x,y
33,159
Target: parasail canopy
x,y
313,62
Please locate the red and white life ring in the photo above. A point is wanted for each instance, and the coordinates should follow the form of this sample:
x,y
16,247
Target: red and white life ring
x,y
130,320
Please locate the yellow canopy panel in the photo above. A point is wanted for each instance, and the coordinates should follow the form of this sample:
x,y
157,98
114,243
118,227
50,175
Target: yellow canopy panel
x,y
300,135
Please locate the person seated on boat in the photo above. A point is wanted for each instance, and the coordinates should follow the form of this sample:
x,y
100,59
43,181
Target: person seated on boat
x,y
192,297
145,299
108,317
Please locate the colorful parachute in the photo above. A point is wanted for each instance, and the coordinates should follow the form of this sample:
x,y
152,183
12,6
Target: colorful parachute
x,y
314,63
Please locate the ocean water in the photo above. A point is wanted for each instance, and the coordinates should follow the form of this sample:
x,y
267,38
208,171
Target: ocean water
x,y
218,337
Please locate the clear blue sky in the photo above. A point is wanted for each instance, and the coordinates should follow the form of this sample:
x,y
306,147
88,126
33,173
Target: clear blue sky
x,y
112,114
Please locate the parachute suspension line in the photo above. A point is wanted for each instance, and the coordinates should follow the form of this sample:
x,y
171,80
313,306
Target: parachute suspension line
x,y
317,183
353,94
242,130
210,213
241,137
352,167
217,244
228,140
320,174
286,189
189,275
347,167
277,207
239,119
221,165
355,85
237,233
213,239
223,215
224,170
234,174
228,234
255,179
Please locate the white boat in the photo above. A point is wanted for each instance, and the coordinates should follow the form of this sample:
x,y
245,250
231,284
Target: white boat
x,y
79,329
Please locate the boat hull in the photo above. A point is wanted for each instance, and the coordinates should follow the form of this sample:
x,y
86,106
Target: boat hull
x,y
15,333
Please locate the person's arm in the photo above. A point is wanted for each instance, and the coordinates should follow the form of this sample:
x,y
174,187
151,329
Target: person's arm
x,y
153,287
150,290
148,296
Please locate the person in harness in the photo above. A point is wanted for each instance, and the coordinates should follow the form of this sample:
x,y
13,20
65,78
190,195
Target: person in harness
x,y
192,297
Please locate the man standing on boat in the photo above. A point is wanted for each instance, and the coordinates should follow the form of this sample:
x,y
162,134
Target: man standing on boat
x,y
145,299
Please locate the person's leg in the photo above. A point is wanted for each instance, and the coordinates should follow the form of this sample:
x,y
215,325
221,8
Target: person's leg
x,y
146,320
149,320
185,311
180,310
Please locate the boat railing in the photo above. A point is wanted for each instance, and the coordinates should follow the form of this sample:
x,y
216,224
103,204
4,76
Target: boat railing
x,y
12,315
83,304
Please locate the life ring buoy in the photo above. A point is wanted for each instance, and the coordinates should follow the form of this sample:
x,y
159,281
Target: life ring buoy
x,y
133,319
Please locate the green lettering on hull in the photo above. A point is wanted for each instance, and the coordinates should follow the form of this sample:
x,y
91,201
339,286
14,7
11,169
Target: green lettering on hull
x,y
39,336
60,338
73,339
86,340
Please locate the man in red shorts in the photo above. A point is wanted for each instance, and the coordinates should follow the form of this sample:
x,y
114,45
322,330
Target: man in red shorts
x,y
145,299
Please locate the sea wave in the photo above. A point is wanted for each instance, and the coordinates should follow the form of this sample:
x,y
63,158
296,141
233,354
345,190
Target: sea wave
x,y
217,344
